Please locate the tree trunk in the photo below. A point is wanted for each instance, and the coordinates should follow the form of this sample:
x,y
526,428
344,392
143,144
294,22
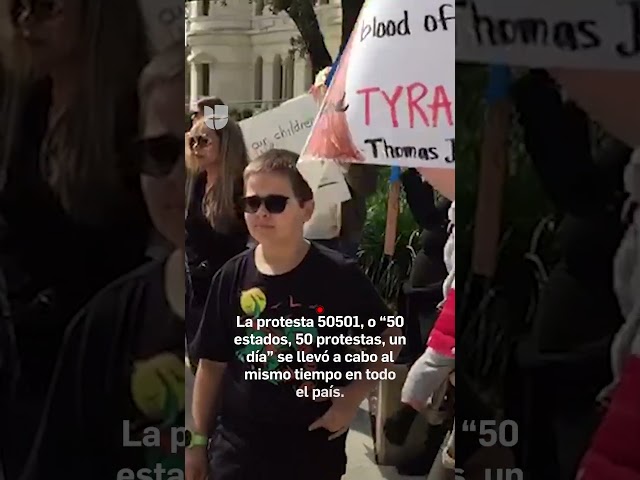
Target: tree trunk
x,y
304,16
350,12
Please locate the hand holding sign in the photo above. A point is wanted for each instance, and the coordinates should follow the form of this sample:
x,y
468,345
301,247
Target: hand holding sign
x,y
384,110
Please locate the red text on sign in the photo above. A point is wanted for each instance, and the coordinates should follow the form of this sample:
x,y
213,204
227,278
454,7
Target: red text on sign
x,y
428,111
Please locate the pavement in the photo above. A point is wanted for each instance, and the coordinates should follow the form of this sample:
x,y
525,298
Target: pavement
x,y
360,454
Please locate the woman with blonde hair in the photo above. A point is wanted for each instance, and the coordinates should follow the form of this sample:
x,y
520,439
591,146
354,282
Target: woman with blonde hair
x,y
120,369
74,218
215,227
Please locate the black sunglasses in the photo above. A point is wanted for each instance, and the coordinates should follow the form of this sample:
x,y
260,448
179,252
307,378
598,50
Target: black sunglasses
x,y
272,203
40,9
158,156
199,141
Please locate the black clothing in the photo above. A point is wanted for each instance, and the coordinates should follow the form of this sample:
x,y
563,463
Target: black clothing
x,y
577,308
122,361
428,267
207,250
422,292
263,426
578,304
53,264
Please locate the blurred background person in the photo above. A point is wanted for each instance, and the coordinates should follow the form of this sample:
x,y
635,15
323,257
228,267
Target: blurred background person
x,y
106,387
69,112
567,351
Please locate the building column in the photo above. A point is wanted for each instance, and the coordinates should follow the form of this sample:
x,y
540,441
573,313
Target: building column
x,y
199,10
267,83
300,86
195,81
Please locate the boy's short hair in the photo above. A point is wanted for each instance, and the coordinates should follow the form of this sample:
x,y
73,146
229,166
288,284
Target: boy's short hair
x,y
282,162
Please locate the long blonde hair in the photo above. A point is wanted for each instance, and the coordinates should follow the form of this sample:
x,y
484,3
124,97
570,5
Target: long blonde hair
x,y
219,202
88,178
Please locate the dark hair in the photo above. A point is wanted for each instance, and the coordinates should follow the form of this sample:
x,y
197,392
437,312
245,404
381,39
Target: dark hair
x,y
208,102
281,162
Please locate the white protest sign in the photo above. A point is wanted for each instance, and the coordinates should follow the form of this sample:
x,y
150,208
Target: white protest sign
x,y
384,107
567,33
164,20
331,191
286,126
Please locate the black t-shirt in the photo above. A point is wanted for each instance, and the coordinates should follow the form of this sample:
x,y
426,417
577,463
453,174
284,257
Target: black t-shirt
x,y
121,370
208,249
264,424
52,264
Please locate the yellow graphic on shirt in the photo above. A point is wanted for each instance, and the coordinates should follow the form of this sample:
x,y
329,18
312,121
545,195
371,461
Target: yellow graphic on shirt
x,y
157,386
253,302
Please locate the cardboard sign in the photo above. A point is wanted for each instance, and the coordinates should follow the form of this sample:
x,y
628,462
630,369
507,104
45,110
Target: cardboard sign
x,y
602,35
286,126
164,20
383,106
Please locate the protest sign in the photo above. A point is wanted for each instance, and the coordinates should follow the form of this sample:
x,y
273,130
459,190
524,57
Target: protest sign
x,y
164,20
382,109
568,34
286,126
591,48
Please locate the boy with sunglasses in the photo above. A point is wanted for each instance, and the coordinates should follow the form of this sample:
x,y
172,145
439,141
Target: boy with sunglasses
x,y
275,428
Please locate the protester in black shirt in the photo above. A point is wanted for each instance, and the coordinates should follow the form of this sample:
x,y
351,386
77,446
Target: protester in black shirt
x,y
431,216
578,313
215,228
269,429
121,369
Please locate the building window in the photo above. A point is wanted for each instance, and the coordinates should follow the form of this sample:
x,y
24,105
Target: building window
x,y
257,79
206,80
206,5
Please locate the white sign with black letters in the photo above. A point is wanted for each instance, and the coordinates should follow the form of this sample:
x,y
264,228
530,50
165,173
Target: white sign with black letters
x,y
567,33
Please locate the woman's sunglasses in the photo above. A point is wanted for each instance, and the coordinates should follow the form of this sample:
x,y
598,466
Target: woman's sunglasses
x,y
158,156
196,141
39,9
272,203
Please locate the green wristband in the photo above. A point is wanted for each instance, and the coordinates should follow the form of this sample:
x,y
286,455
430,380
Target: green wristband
x,y
197,440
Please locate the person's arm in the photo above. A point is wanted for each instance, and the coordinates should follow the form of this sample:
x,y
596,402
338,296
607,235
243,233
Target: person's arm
x,y
556,136
206,392
213,346
369,304
420,198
